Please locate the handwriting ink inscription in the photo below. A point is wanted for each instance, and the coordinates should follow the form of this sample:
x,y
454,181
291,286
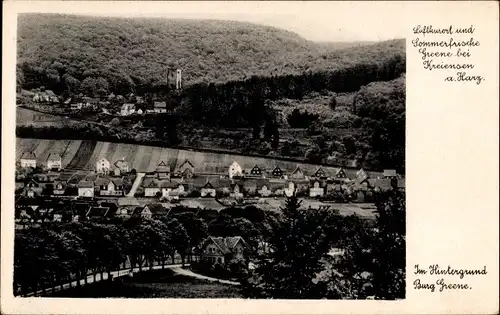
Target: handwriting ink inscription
x,y
440,284
450,48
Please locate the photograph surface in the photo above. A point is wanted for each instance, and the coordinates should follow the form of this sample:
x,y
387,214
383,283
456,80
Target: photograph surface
x,y
163,157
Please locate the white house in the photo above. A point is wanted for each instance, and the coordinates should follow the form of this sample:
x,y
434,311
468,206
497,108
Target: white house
x,y
237,191
28,159
151,188
316,190
264,191
102,166
86,189
208,190
235,170
290,190
122,166
54,161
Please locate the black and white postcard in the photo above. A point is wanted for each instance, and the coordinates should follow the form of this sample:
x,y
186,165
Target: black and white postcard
x,y
249,157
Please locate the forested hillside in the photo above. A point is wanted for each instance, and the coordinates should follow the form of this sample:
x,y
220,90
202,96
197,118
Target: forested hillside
x,y
246,88
74,52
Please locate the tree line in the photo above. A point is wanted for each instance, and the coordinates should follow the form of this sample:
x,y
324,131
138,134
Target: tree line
x,y
298,263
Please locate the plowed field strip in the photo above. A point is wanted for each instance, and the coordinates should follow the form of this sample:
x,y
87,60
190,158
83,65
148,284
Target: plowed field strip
x,y
83,154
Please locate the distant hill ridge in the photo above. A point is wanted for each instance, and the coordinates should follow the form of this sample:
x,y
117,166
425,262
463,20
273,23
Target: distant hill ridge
x,y
55,49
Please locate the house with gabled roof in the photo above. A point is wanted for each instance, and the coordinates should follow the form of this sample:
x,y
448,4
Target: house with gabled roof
x,y
237,189
390,173
277,172
361,174
142,212
59,188
28,159
152,187
110,187
223,249
340,173
263,187
86,189
256,171
54,161
235,170
297,174
121,167
320,173
103,166
162,170
317,189
208,190
185,170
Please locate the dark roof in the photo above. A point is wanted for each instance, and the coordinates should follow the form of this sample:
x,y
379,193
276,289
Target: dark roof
x,y
97,212
85,184
208,185
226,244
117,181
150,183
186,161
390,173
28,156
102,181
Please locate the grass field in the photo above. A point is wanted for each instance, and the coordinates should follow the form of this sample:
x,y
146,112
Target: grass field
x,y
82,155
26,117
154,284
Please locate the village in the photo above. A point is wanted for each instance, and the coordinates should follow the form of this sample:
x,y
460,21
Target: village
x,y
114,188
110,104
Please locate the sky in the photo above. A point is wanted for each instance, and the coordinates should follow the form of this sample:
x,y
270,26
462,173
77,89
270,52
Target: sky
x,y
317,21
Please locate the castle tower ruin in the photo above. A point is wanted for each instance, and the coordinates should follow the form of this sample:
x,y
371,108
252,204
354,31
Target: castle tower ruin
x,y
178,79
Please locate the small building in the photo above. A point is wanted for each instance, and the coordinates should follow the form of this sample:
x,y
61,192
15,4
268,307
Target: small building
x,y
320,173
159,107
142,212
208,190
54,162
223,249
152,187
162,171
361,174
317,190
263,188
86,189
340,173
277,172
256,171
102,166
121,167
185,170
235,170
28,159
290,189
110,187
390,173
127,109
297,174
237,190
59,188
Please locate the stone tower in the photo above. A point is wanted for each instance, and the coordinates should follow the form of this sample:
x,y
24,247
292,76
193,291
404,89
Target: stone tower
x,y
178,79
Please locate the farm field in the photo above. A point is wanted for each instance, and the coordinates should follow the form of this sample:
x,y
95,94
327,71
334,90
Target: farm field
x,y
26,117
82,155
